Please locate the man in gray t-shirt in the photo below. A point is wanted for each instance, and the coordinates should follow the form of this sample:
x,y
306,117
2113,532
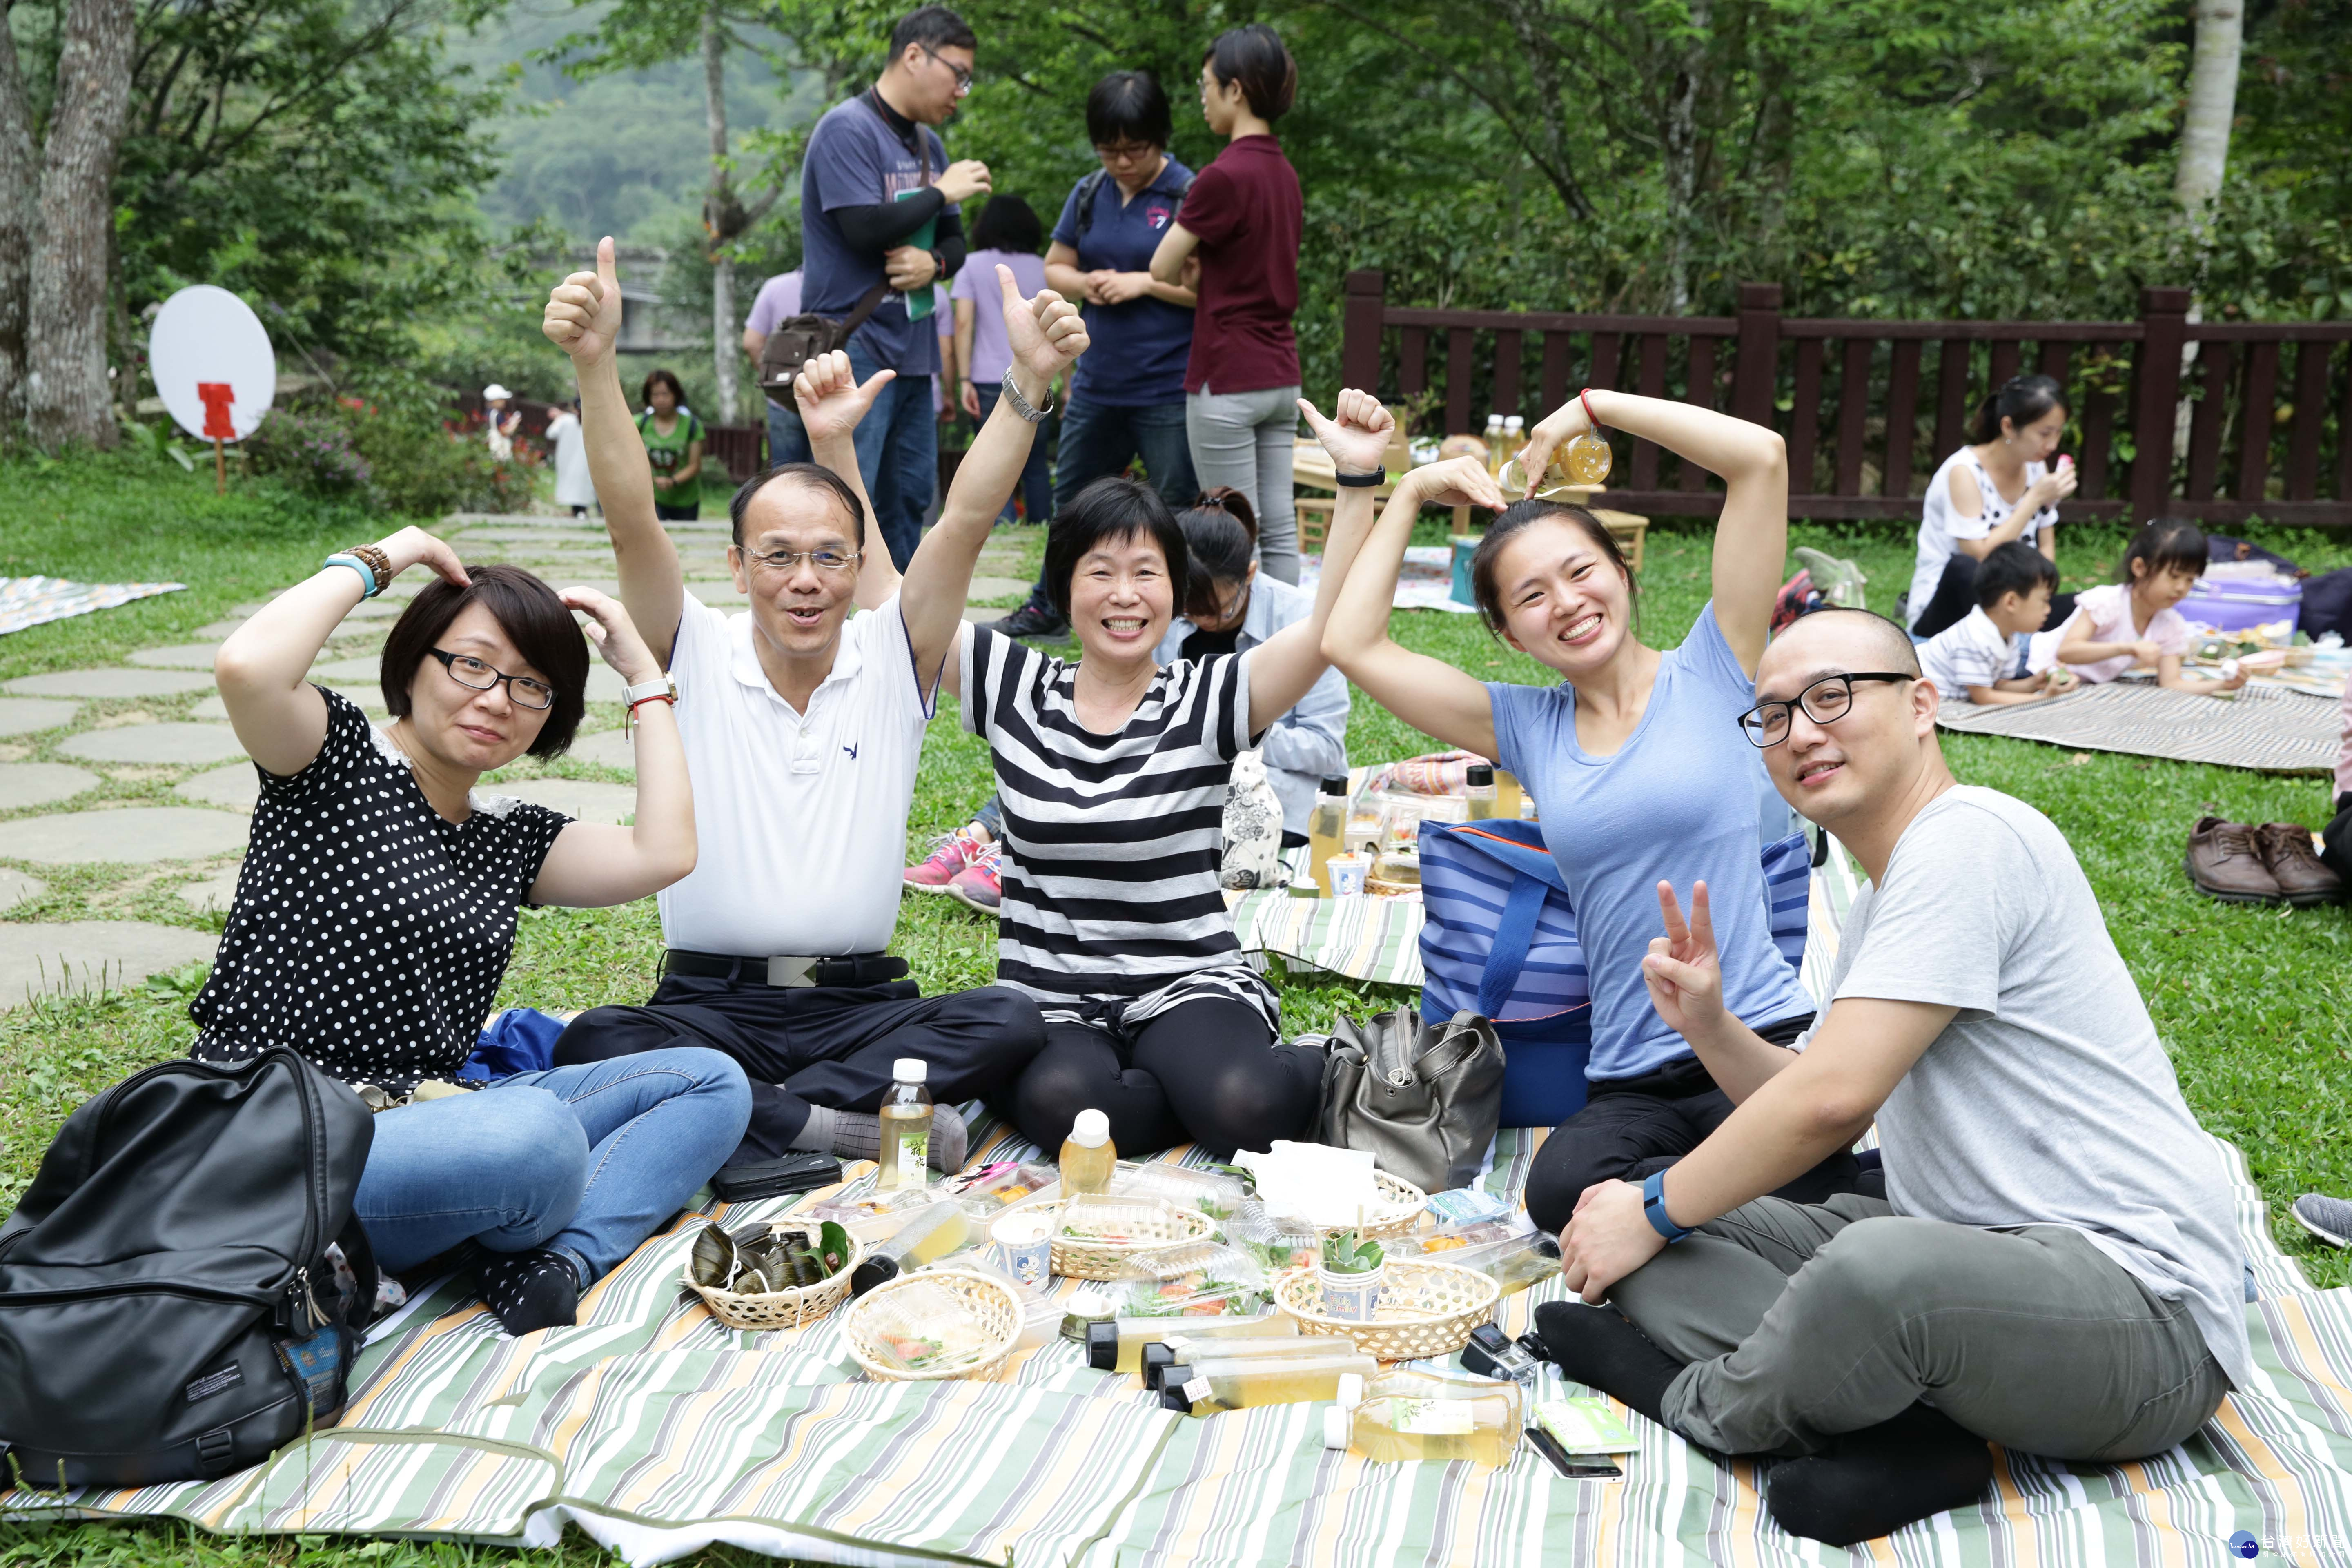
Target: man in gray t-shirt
x,y
2053,1267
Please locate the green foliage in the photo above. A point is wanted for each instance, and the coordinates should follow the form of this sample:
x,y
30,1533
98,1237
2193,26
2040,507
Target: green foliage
x,y
1345,1252
312,452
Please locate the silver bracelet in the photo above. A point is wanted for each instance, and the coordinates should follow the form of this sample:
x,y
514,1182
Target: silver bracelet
x,y
1021,404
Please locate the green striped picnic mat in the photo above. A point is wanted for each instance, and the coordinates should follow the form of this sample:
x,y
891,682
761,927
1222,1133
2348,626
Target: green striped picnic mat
x,y
658,1430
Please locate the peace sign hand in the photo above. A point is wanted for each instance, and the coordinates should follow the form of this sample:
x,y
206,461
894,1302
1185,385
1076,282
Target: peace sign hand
x,y
1682,971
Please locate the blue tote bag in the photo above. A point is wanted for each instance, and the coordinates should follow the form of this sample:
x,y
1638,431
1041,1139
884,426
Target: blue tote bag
x,y
1498,939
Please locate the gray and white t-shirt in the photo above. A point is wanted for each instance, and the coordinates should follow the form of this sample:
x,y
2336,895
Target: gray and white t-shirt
x,y
2047,1099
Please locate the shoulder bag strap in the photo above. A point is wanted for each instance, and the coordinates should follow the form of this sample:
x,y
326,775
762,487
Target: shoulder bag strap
x,y
1514,933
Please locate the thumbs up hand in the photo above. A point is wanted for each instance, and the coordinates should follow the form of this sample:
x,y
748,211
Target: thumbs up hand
x,y
584,312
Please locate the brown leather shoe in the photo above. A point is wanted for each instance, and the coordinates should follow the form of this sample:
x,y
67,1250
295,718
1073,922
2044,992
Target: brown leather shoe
x,y
2295,865
2224,863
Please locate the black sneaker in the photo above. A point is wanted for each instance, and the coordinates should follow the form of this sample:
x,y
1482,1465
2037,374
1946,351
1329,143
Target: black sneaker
x,y
1029,621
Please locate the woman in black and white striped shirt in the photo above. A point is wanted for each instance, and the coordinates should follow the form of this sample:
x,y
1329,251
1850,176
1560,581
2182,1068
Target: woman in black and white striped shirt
x,y
1113,772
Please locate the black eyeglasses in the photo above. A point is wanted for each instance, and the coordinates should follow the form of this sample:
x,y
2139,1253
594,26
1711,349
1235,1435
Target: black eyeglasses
x,y
469,671
1825,701
964,77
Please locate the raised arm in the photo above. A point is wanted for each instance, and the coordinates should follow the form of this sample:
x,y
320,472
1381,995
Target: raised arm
x,y
1426,693
1751,542
1168,260
263,669
1286,666
1047,335
831,403
583,320
593,865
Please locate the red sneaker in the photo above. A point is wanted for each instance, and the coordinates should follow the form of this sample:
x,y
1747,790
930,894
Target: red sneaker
x,y
950,854
980,885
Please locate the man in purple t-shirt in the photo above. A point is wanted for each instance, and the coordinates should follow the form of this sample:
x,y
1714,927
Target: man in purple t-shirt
x,y
779,300
879,208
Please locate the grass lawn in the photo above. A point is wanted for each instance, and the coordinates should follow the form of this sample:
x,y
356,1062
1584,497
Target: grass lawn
x,y
2253,1003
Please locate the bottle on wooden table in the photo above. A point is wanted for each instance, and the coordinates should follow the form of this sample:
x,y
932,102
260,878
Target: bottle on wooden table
x,y
1088,1156
906,1118
1326,829
1494,443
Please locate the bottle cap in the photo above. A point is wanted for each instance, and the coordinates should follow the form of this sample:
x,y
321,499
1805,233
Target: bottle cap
x,y
1352,1390
1090,1129
910,1070
1480,775
1335,1427
1513,423
1334,785
1102,1346
1173,1393
1156,1360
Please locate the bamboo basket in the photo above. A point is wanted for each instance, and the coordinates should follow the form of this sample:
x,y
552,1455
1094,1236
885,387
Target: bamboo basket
x,y
1427,1308
1399,1214
793,1308
991,1301
1159,1224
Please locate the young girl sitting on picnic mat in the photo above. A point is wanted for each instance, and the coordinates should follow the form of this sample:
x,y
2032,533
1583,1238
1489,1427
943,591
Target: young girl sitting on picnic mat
x,y
376,914
1626,762
2134,622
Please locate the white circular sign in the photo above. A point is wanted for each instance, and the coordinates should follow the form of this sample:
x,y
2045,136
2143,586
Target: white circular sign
x,y
212,363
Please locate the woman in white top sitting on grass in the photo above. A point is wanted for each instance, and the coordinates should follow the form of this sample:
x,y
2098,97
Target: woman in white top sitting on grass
x,y
1997,489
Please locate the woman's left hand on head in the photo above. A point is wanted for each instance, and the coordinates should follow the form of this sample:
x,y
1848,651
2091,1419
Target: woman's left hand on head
x,y
1458,481
615,635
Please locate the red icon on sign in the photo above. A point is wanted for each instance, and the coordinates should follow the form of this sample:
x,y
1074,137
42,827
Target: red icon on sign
x,y
217,397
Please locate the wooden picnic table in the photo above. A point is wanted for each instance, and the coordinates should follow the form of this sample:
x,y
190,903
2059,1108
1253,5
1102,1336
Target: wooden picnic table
x,y
1310,470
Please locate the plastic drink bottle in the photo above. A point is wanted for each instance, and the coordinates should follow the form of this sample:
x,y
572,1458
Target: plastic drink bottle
x,y
1479,786
1325,830
906,1118
1210,1385
1088,1156
1390,1420
1188,1349
1494,443
1514,436
934,1232
1117,1346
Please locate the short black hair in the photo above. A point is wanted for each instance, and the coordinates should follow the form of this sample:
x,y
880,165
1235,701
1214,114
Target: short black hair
x,y
662,378
1114,510
538,623
2165,544
1007,223
1220,542
1896,647
1253,56
813,476
934,27
1488,594
2013,568
1128,106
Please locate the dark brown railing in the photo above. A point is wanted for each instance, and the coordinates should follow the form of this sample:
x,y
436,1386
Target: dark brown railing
x,y
1869,409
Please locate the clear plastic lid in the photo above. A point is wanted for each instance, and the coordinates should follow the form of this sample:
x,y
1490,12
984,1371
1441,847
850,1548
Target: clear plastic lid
x,y
1090,1129
910,1070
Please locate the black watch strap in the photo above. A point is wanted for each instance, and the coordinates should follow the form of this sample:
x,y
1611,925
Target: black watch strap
x,y
1360,481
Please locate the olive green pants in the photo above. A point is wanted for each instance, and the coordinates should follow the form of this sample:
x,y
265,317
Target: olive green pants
x,y
1800,1321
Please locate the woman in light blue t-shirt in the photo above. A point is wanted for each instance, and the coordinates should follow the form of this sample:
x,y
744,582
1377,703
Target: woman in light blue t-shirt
x,y
1635,763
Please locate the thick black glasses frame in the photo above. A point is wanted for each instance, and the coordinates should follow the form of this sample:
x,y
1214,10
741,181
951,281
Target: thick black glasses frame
x,y
449,662
1753,724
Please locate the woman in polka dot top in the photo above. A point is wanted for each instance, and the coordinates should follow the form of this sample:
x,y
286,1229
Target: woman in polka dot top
x,y
376,914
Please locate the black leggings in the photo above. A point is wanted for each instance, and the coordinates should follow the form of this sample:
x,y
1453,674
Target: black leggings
x,y
1208,1071
1956,596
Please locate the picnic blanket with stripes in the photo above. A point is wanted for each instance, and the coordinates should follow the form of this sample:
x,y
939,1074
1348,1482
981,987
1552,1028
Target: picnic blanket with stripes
x,y
659,1431
2268,729
34,601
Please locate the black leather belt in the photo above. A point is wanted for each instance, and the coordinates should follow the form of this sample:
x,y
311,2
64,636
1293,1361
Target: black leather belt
x,y
791,970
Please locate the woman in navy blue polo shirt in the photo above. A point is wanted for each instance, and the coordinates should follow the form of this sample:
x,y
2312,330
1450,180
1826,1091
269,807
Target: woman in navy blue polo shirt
x,y
1127,396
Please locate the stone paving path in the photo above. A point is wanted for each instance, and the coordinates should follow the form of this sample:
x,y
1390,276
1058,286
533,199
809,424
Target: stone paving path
x,y
132,767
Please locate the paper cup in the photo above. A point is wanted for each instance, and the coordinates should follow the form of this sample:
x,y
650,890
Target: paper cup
x,y
1028,1243
1351,1296
1348,873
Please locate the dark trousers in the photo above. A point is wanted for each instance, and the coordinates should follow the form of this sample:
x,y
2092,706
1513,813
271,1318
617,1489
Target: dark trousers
x,y
1630,1127
1208,1071
821,1045
1956,596
1037,487
1098,442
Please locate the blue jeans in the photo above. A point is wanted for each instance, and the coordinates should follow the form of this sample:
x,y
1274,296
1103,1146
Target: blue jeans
x,y
584,1160
897,454
787,436
1098,441
1036,481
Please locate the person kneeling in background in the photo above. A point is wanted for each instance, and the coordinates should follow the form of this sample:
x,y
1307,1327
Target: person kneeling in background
x,y
1973,656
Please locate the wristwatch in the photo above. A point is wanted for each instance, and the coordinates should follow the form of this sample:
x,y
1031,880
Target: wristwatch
x,y
1021,404
663,688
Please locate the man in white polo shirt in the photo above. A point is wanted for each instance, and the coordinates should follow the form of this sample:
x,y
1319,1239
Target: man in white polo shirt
x,y
803,727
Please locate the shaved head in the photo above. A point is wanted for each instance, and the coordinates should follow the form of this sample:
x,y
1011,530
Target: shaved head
x,y
1863,639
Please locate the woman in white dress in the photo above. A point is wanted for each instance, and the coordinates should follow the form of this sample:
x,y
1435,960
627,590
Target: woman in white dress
x,y
572,485
1998,488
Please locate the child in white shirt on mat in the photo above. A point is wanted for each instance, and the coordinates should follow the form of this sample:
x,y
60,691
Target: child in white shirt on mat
x,y
1973,658
2132,624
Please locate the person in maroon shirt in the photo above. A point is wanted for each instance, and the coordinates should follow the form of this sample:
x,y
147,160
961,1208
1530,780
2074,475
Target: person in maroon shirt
x,y
1242,216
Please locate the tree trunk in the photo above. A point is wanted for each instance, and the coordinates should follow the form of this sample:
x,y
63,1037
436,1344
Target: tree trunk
x,y
69,397
1682,155
19,166
725,351
2213,103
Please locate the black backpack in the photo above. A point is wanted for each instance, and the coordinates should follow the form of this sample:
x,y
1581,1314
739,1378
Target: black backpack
x,y
168,1311
1092,184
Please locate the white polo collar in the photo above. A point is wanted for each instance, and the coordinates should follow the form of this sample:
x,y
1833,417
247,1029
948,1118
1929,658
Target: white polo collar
x,y
743,659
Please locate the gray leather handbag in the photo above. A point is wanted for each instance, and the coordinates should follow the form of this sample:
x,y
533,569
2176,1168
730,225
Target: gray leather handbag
x,y
1423,1098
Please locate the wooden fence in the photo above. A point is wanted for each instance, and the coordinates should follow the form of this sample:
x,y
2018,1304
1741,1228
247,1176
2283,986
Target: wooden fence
x,y
1869,409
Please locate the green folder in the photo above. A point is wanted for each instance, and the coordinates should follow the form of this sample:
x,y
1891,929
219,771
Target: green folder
x,y
918,303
